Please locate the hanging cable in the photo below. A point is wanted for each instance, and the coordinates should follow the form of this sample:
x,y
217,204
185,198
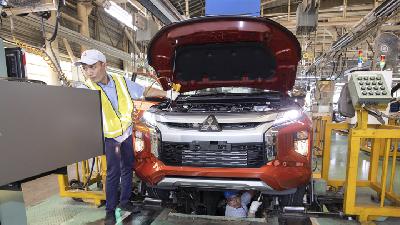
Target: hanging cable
x,y
58,18
55,66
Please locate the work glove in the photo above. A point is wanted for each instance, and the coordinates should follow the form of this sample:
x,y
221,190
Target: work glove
x,y
254,207
171,94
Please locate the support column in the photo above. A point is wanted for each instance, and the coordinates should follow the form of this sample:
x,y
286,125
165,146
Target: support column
x,y
84,9
351,174
187,8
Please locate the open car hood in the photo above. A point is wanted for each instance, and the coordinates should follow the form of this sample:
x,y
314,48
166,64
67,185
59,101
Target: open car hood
x,y
211,52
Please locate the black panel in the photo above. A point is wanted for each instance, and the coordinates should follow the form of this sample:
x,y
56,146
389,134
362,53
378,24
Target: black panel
x,y
14,62
224,61
213,154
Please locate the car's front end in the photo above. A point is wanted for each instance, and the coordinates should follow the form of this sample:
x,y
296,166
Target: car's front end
x,y
234,125
258,141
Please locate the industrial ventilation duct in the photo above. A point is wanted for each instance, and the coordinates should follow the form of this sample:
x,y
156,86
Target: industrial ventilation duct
x,y
307,17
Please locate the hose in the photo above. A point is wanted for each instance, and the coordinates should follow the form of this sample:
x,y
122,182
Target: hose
x,y
90,174
54,34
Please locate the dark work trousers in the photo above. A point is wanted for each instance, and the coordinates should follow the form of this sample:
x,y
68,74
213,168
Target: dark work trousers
x,y
119,170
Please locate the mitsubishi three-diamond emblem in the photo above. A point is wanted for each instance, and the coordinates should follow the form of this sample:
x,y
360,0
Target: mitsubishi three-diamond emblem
x,y
210,125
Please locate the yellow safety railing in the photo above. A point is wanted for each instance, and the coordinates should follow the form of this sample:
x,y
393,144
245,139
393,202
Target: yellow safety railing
x,y
384,137
323,127
84,193
384,142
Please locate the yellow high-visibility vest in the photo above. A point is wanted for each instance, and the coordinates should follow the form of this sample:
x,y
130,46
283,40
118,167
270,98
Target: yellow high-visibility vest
x,y
115,123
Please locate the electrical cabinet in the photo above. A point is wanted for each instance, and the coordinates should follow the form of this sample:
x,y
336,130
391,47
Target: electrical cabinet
x,y
368,87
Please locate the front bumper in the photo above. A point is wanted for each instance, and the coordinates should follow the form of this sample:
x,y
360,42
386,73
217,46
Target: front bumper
x,y
215,166
268,177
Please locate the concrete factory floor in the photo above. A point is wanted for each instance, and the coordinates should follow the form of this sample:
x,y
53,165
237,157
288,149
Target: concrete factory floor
x,y
45,207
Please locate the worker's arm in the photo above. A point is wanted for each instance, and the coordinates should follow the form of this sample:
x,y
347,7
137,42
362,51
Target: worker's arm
x,y
153,92
137,91
254,206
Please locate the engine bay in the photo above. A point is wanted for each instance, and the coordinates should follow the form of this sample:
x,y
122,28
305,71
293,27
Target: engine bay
x,y
227,102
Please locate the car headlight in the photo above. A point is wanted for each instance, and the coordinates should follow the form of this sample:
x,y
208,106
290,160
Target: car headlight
x,y
301,142
287,117
147,135
149,119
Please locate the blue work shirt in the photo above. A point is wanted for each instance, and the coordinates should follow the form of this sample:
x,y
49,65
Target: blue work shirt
x,y
241,212
135,91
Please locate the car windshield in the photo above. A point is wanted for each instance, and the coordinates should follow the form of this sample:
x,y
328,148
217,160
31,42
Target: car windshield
x,y
227,90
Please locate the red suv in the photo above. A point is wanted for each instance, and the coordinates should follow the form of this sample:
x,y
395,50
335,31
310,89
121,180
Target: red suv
x,y
233,125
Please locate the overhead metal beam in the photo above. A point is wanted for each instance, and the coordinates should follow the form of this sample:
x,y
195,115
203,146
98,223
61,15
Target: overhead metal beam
x,y
73,36
71,19
163,10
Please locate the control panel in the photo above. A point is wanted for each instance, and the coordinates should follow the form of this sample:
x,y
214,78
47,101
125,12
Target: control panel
x,y
368,87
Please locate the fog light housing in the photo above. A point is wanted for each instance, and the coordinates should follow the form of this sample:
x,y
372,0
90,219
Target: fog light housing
x,y
155,141
270,137
139,141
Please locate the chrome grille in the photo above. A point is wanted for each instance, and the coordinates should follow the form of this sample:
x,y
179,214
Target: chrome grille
x,y
213,154
224,126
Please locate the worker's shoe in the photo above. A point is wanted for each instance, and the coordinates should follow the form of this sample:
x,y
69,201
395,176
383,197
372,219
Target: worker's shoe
x,y
110,218
129,207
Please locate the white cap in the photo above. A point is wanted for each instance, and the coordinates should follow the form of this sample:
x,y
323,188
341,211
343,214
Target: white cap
x,y
91,57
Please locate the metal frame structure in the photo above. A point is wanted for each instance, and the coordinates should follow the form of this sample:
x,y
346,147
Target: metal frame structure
x,y
323,127
85,194
383,136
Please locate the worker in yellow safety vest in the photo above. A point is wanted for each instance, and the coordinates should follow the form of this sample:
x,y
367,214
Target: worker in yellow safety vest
x,y
117,106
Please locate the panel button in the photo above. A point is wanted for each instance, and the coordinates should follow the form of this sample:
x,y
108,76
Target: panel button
x,y
384,92
380,82
361,83
378,78
364,92
375,87
382,87
365,78
359,78
362,87
377,92
370,93
367,83
373,82
372,78
369,88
